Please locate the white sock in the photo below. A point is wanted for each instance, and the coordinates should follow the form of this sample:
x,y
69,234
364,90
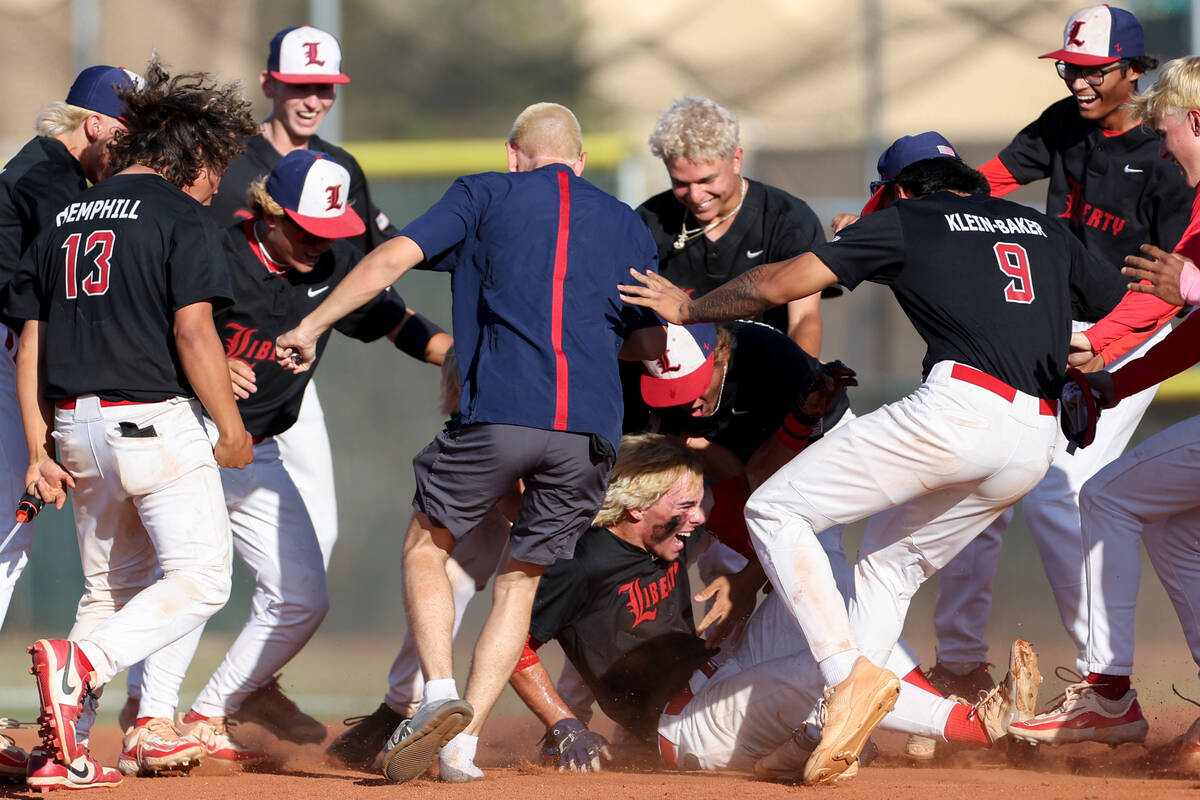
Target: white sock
x,y
836,668
460,750
440,689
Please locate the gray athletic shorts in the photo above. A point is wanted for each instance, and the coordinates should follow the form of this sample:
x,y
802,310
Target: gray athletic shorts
x,y
466,469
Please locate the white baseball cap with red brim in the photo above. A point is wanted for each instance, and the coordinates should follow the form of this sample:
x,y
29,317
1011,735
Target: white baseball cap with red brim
x,y
313,190
305,55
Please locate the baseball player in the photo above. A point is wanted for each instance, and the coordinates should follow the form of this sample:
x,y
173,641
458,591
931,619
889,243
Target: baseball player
x,y
132,265
282,261
70,149
1148,494
303,70
714,224
1109,188
626,621
983,420
535,248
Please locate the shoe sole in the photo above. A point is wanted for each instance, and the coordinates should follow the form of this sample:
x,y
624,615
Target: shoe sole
x,y
413,756
45,667
1129,733
1025,678
831,761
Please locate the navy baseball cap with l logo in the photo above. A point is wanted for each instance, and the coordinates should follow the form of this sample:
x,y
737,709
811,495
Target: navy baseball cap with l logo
x,y
96,89
1100,35
314,191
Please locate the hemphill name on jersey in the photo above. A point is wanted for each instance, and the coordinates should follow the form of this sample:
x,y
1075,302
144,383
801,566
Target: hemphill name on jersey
x,y
113,208
972,222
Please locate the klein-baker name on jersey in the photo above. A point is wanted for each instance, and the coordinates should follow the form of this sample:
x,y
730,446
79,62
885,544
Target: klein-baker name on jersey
x,y
113,208
959,221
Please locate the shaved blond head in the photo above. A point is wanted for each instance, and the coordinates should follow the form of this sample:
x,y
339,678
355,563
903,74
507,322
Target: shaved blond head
x,y
547,131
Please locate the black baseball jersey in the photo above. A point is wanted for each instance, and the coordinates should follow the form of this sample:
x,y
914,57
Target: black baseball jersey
x,y
767,372
270,303
107,279
261,157
772,226
1113,192
624,619
34,186
985,282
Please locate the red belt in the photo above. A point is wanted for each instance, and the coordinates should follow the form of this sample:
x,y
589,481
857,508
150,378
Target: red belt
x,y
70,403
665,747
1047,408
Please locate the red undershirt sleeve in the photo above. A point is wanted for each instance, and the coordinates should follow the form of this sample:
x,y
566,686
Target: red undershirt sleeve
x,y
998,176
1171,356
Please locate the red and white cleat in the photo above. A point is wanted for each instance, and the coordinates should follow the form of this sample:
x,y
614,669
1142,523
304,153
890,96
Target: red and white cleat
x,y
63,674
83,773
213,735
1086,716
153,745
14,762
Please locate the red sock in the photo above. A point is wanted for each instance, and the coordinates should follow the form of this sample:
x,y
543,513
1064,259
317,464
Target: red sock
x,y
83,660
918,679
141,722
1110,687
963,727
192,716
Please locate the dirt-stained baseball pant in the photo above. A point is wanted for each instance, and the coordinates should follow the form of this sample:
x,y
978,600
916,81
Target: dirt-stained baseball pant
x,y
151,523
1147,495
470,567
762,693
1051,509
274,536
14,458
947,459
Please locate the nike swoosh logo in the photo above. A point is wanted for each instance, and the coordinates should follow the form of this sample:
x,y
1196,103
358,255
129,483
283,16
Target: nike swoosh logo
x,y
83,774
67,688
753,253
315,292
735,413
1130,170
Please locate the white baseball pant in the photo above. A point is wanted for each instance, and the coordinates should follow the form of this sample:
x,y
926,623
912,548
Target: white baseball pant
x,y
274,536
1149,494
14,458
151,523
948,459
1052,513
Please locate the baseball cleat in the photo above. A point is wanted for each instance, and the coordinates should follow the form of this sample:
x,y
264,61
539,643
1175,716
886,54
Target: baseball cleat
x,y
1016,696
153,745
1086,716
1181,754
212,733
269,707
786,762
920,748
968,685
84,772
63,675
14,762
361,743
850,711
415,744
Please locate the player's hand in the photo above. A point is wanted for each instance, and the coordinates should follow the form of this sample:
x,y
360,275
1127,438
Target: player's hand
x,y
842,220
1161,269
296,350
733,599
569,745
823,387
655,292
48,480
234,450
1102,384
241,375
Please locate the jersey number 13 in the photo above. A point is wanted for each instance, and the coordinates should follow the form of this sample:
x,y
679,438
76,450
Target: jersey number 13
x,y
95,281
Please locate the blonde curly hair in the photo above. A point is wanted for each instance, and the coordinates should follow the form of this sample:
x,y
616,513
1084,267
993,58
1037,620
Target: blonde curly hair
x,y
697,129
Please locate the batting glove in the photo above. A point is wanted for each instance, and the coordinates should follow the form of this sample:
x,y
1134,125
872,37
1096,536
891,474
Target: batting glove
x,y
569,745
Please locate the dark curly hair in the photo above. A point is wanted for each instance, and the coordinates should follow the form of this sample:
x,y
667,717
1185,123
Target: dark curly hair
x,y
179,125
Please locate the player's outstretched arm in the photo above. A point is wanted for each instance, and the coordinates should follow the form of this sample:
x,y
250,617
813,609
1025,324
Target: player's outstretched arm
x,y
297,349
750,293
574,746
203,361
45,477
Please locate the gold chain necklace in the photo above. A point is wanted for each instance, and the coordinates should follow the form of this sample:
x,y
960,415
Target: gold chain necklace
x,y
686,235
